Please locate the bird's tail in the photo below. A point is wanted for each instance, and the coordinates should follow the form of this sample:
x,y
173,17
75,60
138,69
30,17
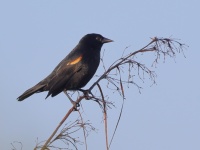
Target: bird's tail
x,y
35,89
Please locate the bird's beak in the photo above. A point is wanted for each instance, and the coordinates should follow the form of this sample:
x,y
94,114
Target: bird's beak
x,y
106,40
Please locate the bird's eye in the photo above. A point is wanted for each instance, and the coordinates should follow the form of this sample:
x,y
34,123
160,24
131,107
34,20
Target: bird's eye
x,y
98,38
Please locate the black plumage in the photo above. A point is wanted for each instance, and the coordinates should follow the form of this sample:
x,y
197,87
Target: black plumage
x,y
75,70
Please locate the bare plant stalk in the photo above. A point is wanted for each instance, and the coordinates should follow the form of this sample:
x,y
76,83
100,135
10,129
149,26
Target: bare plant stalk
x,y
83,130
123,97
120,63
161,46
60,124
105,116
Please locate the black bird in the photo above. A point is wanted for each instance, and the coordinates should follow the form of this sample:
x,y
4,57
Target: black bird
x,y
74,71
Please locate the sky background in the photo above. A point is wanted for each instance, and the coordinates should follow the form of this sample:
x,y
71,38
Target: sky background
x,y
36,35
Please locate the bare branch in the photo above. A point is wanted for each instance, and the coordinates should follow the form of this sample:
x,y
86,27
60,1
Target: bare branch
x,y
127,64
105,116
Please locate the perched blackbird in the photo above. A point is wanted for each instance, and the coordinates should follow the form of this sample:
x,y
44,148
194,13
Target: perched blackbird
x,y
74,71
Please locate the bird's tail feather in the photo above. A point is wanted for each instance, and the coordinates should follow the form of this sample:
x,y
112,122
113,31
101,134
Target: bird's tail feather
x,y
29,92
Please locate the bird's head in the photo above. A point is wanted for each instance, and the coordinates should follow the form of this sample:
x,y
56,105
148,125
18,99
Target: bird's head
x,y
94,40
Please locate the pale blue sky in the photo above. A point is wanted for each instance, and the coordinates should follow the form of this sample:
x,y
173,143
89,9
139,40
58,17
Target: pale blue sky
x,y
36,35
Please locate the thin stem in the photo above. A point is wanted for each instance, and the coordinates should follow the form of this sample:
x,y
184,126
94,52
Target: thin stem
x,y
83,129
62,121
105,116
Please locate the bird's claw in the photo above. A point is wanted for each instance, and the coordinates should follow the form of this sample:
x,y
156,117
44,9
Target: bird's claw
x,y
76,105
86,93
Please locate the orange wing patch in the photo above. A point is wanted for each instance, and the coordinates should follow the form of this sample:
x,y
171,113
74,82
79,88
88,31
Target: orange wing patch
x,y
75,61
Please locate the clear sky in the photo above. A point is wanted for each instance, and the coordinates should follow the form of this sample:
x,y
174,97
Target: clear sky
x,y
36,35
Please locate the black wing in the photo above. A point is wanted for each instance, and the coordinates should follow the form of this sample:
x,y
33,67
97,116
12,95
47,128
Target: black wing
x,y
63,73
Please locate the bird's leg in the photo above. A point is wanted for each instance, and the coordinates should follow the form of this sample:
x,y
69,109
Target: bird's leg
x,y
86,93
73,102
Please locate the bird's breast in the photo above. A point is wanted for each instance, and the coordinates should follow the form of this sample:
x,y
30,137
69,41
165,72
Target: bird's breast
x,y
88,66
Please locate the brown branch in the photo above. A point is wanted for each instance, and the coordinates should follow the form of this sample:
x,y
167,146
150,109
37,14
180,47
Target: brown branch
x,y
105,116
123,96
62,121
83,129
117,64
161,46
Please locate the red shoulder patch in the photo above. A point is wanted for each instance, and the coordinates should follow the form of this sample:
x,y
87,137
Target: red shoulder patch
x,y
75,61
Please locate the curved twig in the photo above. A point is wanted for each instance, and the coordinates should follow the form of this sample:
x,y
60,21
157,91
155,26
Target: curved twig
x,y
105,116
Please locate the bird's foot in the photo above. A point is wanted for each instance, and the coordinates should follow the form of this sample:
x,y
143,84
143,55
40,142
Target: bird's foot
x,y
75,104
86,93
